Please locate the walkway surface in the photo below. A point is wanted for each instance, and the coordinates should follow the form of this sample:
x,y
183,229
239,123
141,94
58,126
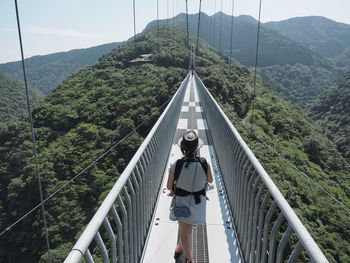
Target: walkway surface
x,y
213,242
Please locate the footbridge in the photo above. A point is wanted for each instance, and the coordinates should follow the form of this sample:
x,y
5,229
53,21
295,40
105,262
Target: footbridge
x,y
247,220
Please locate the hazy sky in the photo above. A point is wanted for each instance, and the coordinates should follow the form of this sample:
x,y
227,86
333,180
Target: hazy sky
x,y
50,26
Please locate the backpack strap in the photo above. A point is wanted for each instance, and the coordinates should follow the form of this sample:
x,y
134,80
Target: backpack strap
x,y
178,168
204,164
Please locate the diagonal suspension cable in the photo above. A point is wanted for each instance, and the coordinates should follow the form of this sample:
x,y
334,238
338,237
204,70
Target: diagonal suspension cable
x,y
231,42
33,135
255,72
87,168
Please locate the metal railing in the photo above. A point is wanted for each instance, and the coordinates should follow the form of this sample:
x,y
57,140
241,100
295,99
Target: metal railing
x,y
124,217
267,227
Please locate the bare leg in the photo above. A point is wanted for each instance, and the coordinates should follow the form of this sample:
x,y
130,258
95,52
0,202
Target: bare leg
x,y
179,246
186,238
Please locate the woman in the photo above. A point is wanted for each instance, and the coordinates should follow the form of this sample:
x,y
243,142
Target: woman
x,y
187,180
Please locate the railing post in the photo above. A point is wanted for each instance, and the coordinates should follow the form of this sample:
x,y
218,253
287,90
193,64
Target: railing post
x,y
237,160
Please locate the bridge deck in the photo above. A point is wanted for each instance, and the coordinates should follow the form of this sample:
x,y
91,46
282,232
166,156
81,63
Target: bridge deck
x,y
213,242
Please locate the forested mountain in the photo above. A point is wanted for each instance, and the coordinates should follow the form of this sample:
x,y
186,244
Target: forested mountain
x,y
13,99
332,111
322,35
300,84
275,48
343,60
292,68
95,108
46,72
75,124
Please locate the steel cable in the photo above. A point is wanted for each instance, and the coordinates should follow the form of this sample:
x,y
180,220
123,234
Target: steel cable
x,y
199,22
301,172
33,134
231,42
220,50
255,71
188,33
134,13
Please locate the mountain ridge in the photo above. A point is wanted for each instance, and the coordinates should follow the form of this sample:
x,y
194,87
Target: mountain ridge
x,y
45,72
320,34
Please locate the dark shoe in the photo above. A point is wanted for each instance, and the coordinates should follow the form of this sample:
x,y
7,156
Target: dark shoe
x,y
177,255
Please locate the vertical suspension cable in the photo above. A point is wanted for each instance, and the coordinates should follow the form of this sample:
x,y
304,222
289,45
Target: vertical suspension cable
x,y
33,136
190,66
134,11
157,61
167,12
231,42
158,22
199,22
214,26
173,13
188,33
255,72
210,20
220,51
206,30
158,37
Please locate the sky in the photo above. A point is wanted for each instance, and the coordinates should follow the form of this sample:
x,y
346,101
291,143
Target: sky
x,y
50,26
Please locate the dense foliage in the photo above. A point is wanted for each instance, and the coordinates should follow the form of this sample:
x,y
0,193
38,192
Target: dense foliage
x,y
13,99
96,107
288,58
300,84
85,115
331,110
46,72
291,148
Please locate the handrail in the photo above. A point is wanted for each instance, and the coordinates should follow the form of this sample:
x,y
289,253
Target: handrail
x,y
132,217
250,189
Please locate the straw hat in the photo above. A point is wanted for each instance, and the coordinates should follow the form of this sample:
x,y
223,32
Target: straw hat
x,y
190,142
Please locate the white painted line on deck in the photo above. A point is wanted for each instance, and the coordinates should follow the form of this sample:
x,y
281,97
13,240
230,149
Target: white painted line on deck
x,y
202,124
185,109
196,98
182,124
187,94
192,104
199,109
